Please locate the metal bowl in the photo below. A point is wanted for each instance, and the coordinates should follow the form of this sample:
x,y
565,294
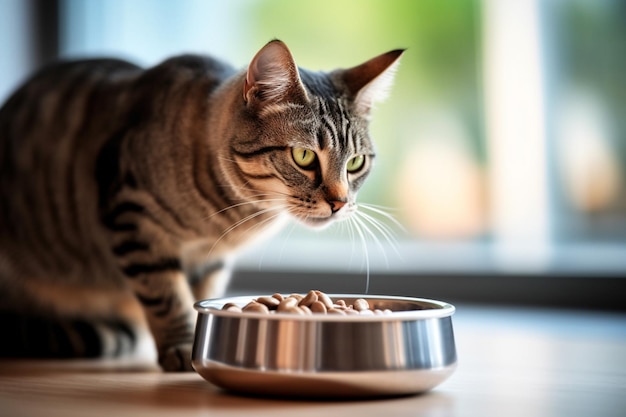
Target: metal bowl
x,y
408,351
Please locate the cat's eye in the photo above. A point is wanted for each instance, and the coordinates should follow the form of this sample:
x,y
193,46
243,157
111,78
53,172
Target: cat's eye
x,y
305,158
356,163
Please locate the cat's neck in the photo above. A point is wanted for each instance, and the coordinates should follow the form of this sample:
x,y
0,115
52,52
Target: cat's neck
x,y
197,167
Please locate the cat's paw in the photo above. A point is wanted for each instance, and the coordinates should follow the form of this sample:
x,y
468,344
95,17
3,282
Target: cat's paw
x,y
176,358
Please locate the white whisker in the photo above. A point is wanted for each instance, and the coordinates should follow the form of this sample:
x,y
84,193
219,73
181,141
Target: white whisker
x,y
286,238
380,207
383,213
350,229
248,218
364,245
263,224
383,229
374,237
245,203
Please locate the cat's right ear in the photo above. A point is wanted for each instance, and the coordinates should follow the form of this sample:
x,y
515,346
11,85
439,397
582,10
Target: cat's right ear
x,y
273,77
371,81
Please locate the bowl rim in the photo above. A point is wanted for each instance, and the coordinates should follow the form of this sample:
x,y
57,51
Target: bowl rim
x,y
438,309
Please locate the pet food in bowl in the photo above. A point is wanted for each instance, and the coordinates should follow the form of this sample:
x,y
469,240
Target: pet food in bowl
x,y
385,346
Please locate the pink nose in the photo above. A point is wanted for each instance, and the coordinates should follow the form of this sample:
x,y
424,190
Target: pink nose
x,y
336,205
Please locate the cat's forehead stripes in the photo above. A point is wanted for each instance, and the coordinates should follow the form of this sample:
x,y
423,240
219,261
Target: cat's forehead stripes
x,y
332,111
321,140
335,126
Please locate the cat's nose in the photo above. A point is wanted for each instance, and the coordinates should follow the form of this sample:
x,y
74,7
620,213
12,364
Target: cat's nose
x,y
336,195
336,205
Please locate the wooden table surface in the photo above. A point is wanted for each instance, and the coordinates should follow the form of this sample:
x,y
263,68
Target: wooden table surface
x,y
512,362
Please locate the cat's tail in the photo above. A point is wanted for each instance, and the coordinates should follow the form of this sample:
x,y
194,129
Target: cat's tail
x,y
31,336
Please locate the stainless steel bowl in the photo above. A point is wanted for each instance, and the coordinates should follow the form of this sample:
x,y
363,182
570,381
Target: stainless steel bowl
x,y
408,351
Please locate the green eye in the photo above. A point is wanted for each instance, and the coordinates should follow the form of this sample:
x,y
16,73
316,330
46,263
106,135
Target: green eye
x,y
356,163
305,158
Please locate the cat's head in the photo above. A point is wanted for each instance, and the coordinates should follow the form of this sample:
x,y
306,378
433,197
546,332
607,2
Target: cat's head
x,y
302,144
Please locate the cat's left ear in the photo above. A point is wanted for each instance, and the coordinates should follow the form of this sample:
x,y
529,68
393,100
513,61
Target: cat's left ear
x,y
371,81
273,77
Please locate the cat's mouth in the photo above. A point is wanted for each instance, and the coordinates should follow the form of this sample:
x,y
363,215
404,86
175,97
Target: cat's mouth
x,y
318,217
321,222
317,221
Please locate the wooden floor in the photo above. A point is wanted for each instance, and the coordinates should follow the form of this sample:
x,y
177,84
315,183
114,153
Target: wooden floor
x,y
512,362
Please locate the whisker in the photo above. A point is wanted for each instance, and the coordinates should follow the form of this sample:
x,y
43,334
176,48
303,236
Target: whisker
x,y
290,210
383,213
286,238
255,215
248,218
384,230
374,237
380,207
263,225
364,245
350,229
245,203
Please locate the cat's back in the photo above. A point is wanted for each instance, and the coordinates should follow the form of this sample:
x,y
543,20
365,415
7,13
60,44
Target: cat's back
x,y
63,82
46,128
71,109
85,90
55,103
54,131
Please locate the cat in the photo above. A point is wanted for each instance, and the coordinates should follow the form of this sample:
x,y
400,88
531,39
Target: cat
x,y
126,192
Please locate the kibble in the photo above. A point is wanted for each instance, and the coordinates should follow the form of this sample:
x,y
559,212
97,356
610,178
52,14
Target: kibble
x,y
361,305
313,302
308,299
336,311
318,307
325,299
256,307
298,297
287,303
270,302
232,307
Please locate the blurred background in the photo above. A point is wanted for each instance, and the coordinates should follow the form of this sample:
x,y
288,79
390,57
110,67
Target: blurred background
x,y
501,150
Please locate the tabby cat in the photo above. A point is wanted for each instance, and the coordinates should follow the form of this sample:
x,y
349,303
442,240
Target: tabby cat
x,y
126,191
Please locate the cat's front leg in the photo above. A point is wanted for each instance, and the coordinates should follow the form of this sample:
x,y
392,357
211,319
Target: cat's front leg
x,y
168,305
209,279
145,241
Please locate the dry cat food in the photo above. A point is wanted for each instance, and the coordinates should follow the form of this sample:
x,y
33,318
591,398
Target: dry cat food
x,y
314,302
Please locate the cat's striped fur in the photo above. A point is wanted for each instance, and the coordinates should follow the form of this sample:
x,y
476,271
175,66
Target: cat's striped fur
x,y
125,187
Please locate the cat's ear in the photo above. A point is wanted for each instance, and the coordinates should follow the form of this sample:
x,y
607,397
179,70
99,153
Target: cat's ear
x,y
371,81
273,77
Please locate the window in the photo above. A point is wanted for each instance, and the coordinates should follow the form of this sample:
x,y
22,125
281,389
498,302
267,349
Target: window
x,y
503,144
